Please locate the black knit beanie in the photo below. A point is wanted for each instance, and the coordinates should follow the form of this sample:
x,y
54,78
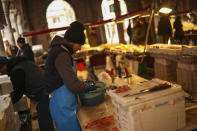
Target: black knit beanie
x,y
75,33
21,40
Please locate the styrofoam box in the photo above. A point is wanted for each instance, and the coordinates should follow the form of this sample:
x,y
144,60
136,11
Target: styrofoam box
x,y
5,85
6,88
159,111
186,76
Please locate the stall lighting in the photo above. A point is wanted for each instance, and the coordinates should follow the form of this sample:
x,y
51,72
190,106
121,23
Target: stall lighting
x,y
165,10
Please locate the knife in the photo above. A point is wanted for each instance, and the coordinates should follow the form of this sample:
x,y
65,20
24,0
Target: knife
x,y
154,89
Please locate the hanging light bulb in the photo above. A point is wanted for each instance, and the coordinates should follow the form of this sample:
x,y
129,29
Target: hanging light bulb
x,y
165,10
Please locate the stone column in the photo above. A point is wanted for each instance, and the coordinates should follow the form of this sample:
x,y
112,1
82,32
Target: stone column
x,y
13,20
119,25
2,49
152,35
19,23
5,5
100,30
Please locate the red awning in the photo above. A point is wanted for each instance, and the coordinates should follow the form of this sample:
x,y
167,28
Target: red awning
x,y
130,14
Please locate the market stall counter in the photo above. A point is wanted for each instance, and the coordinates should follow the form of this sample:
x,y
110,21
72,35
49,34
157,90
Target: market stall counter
x,y
97,117
100,117
132,107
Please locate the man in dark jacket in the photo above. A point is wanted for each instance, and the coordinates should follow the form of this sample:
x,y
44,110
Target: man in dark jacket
x,y
129,31
24,49
61,79
27,78
138,33
164,29
179,33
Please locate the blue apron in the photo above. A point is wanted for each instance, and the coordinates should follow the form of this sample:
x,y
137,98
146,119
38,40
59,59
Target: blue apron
x,y
63,108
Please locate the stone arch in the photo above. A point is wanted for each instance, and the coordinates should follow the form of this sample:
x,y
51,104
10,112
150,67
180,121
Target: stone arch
x,y
59,14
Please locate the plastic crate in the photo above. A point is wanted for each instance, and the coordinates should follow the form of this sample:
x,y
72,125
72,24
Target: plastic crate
x,y
95,97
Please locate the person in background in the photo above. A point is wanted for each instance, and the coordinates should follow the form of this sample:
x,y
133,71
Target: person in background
x,y
138,33
164,29
129,31
93,38
61,79
144,27
27,78
179,33
24,49
8,49
14,50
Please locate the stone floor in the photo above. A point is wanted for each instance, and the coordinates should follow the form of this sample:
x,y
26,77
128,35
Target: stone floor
x,y
191,120
191,117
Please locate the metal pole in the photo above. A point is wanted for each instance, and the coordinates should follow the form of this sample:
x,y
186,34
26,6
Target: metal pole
x,y
149,25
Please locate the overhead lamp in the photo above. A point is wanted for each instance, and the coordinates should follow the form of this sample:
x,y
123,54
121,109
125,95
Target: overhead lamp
x,y
165,10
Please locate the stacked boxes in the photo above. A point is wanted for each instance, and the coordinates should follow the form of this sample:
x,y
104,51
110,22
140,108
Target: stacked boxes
x,y
176,63
189,50
5,85
187,77
165,69
6,88
157,111
166,57
9,120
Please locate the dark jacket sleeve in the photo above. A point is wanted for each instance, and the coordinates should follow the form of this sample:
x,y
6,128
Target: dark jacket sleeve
x,y
18,82
29,53
63,65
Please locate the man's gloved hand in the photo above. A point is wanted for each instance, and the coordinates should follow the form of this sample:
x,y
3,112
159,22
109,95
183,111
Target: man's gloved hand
x,y
90,86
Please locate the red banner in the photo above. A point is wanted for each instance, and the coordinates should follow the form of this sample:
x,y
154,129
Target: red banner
x,y
25,34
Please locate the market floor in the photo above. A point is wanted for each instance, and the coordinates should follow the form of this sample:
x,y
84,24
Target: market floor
x,y
191,118
191,121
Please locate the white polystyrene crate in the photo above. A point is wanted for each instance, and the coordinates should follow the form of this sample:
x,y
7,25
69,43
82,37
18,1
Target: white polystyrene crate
x,y
5,85
166,108
4,78
166,112
132,100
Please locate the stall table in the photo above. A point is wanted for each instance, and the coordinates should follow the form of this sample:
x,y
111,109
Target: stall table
x,y
100,117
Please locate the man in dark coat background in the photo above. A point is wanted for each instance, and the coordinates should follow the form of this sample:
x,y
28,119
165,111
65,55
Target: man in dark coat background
x,y
24,49
179,33
164,29
27,78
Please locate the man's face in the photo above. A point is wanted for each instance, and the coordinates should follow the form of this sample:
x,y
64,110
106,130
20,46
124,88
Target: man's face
x,y
3,70
7,44
20,45
76,47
